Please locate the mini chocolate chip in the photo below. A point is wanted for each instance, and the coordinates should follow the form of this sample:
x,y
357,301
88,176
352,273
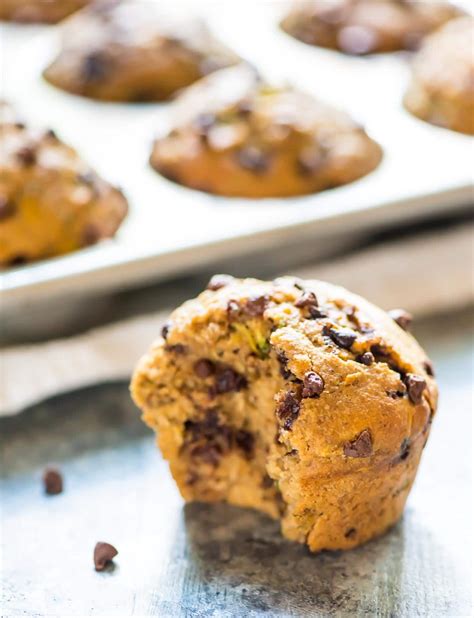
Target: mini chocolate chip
x,y
284,371
289,409
253,159
256,305
350,534
367,358
342,337
361,446
177,348
227,380
357,40
401,317
307,299
313,384
396,394
204,368
26,155
219,281
165,330
52,481
428,367
415,386
309,161
94,67
404,449
245,441
7,208
104,553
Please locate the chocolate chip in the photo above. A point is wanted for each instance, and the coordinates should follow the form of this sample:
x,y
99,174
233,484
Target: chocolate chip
x,y
7,208
367,358
52,481
165,330
90,235
204,368
313,384
396,394
245,441
350,534
26,155
342,337
415,386
177,348
219,281
50,134
284,371
256,305
253,159
244,107
401,317
428,367
357,40
309,161
404,449
361,446
227,380
19,125
289,409
233,309
94,67
104,553
309,301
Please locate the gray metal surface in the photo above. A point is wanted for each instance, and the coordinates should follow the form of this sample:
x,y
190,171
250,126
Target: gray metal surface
x,y
199,560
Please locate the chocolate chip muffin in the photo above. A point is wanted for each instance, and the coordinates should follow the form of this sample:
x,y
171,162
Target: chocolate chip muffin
x,y
365,26
134,51
51,201
39,11
235,135
296,398
441,90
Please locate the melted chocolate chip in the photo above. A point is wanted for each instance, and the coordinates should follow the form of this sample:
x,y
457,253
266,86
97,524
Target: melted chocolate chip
x,y
253,159
7,208
415,387
367,358
204,368
245,441
104,553
219,281
256,305
227,381
404,449
342,337
313,384
402,318
428,367
94,67
361,446
289,409
26,155
52,481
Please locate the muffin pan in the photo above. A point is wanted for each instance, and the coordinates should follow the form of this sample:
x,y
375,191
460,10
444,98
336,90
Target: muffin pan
x,y
425,170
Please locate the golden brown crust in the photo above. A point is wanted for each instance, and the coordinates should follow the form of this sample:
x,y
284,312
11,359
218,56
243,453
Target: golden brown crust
x,y
51,201
134,51
234,135
299,383
365,26
441,90
39,11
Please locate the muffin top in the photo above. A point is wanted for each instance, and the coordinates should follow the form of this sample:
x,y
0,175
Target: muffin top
x,y
365,26
134,51
234,134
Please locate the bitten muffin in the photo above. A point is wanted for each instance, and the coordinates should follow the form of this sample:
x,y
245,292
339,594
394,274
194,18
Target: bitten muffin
x,y
441,90
235,135
51,201
365,26
296,398
39,11
134,51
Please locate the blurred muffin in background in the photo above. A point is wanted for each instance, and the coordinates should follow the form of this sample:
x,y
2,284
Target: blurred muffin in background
x,y
441,90
235,135
39,11
51,201
134,51
362,27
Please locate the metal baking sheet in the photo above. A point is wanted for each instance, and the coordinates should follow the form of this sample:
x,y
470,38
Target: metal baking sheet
x,y
425,170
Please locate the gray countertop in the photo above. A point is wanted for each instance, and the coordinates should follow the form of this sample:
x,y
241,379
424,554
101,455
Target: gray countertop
x,y
200,560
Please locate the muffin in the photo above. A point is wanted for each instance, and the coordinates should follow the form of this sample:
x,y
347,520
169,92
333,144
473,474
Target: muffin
x,y
39,11
134,51
235,135
296,398
51,201
441,90
365,26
